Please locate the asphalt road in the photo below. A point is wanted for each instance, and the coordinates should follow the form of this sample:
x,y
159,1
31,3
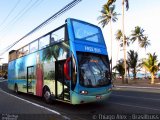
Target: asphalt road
x,y
120,105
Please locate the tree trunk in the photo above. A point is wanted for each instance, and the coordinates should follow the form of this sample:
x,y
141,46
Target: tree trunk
x,y
134,75
128,73
118,46
124,43
111,45
145,68
152,78
122,79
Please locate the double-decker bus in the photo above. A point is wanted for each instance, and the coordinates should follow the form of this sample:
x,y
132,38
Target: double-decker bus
x,y
68,64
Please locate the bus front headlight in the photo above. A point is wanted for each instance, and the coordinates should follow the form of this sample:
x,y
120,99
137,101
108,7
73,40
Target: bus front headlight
x,y
83,92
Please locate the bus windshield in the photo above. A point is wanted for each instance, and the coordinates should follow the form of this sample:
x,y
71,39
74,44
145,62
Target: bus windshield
x,y
93,70
87,32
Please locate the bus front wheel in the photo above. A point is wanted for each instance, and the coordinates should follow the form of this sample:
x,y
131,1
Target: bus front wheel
x,y
47,95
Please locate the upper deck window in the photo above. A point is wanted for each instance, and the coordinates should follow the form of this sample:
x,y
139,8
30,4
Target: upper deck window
x,y
26,50
34,46
44,42
87,32
58,35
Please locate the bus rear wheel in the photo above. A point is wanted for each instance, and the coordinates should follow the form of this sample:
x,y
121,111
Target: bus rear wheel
x,y
47,95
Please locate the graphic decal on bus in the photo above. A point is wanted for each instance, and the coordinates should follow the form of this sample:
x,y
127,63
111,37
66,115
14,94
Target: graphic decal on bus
x,y
39,67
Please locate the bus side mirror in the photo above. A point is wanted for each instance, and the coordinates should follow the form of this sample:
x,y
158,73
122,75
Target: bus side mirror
x,y
66,69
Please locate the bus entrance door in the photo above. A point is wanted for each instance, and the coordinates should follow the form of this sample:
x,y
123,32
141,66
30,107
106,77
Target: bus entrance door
x,y
62,85
30,79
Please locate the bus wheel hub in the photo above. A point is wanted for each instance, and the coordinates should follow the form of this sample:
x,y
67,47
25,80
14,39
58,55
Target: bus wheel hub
x,y
47,95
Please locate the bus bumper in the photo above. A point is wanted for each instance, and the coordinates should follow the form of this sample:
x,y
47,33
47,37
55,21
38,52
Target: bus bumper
x,y
80,99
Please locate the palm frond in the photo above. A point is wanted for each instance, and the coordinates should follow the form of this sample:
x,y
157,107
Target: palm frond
x,y
110,2
107,15
151,63
132,59
137,34
118,34
120,67
145,42
127,4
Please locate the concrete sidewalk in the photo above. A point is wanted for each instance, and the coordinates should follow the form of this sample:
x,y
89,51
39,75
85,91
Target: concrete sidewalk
x,y
137,88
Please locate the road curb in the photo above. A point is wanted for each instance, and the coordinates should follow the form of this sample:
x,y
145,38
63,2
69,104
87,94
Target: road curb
x,y
139,87
3,80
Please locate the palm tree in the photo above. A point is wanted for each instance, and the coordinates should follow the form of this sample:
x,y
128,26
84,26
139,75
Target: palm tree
x,y
137,34
120,68
118,34
124,41
133,62
151,65
145,43
108,16
109,3
124,45
119,37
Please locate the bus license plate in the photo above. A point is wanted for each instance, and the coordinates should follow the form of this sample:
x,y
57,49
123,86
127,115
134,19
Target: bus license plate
x,y
98,97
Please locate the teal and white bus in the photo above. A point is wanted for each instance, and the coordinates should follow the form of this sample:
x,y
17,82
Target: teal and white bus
x,y
68,64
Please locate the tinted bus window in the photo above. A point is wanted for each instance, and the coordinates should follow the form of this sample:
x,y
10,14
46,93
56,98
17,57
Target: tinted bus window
x,y
43,42
94,70
12,55
88,32
58,35
34,46
20,53
26,50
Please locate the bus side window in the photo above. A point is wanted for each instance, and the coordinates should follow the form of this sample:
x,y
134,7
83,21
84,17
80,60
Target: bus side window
x,y
52,40
26,50
12,55
20,53
33,46
58,35
44,42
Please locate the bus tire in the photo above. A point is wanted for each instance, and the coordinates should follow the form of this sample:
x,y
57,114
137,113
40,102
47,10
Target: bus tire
x,y
47,95
16,88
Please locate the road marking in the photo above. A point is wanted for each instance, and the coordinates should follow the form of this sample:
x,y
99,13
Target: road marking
x,y
35,104
136,97
3,80
137,87
53,111
135,106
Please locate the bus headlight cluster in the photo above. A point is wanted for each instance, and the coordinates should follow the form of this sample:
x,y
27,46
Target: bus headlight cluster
x,y
84,92
110,89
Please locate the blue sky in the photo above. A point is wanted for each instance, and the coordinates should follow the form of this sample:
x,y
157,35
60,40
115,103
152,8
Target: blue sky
x,y
144,13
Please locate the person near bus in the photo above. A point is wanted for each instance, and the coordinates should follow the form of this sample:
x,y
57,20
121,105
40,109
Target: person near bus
x,y
39,76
